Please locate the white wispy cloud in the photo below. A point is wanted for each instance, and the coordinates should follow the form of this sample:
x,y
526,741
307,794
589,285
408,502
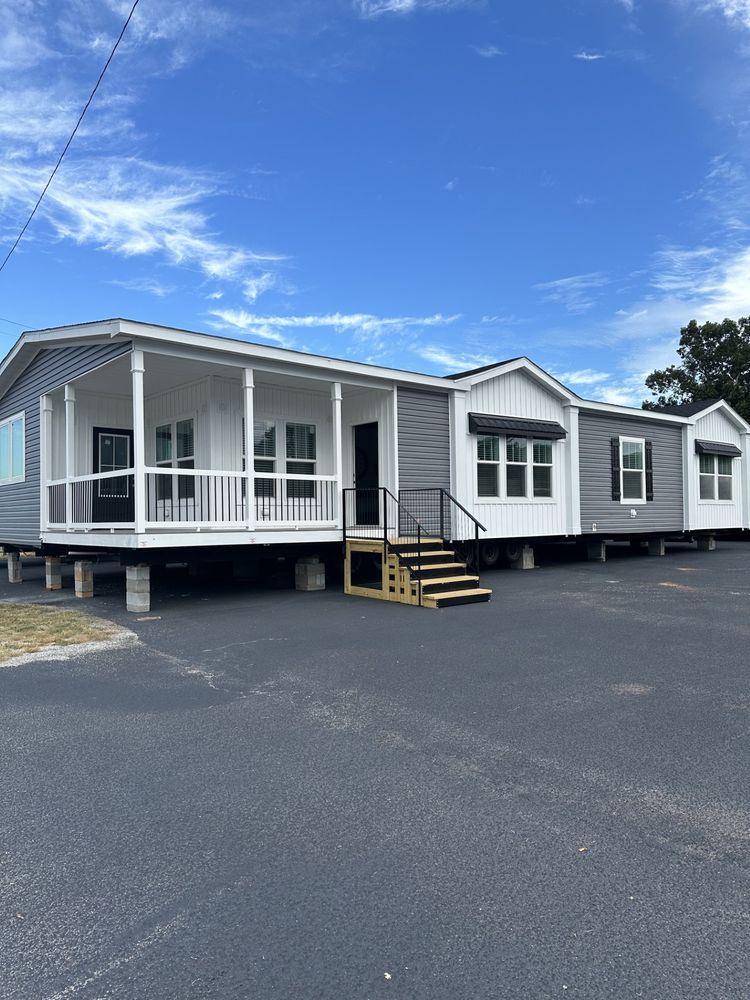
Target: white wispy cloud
x,y
629,5
589,56
362,326
130,207
575,291
736,11
488,51
254,287
451,361
144,284
106,196
582,376
376,8
451,185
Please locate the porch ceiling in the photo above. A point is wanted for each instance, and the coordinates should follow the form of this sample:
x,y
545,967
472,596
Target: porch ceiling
x,y
163,372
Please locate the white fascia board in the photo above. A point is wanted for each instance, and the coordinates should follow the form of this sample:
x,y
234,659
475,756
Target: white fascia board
x,y
526,364
729,412
31,342
632,411
257,354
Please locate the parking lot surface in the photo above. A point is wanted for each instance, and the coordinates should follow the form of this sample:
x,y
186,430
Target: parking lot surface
x,y
288,795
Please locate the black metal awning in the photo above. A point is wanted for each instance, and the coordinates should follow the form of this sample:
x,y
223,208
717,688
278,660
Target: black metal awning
x,y
483,423
717,448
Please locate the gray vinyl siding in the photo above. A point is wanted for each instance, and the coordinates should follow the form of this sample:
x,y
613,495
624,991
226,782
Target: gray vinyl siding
x,y
52,367
664,512
424,456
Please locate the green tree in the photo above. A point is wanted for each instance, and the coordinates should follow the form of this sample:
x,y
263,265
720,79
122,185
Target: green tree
x,y
715,364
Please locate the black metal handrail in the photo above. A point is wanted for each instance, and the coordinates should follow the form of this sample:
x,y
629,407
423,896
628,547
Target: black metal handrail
x,y
368,512
440,512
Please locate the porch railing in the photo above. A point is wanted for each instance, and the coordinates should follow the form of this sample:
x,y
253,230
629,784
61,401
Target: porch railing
x,y
192,499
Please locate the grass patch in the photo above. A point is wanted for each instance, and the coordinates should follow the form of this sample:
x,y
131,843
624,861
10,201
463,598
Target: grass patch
x,y
27,628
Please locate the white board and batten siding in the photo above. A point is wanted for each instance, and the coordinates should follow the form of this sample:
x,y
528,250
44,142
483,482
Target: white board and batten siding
x,y
513,394
707,514
366,406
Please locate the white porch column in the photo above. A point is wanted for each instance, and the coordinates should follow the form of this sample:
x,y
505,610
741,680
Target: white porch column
x,y
137,369
70,452
745,479
338,454
45,425
248,391
572,472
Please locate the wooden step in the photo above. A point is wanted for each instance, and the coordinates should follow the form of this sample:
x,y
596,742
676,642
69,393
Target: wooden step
x,y
435,570
426,558
426,552
449,583
450,598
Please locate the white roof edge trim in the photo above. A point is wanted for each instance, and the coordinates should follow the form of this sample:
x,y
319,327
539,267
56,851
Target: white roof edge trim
x,y
227,345
506,367
727,409
633,411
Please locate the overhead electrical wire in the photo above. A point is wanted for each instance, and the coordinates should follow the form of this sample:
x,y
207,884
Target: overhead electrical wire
x,y
72,135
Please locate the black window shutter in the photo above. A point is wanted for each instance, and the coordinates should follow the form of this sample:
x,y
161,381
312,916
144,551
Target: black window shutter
x,y
649,470
615,444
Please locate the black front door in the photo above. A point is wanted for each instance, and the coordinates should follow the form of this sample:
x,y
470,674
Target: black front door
x,y
366,474
112,501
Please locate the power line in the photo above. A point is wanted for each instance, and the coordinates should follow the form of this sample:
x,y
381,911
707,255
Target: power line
x,y
72,135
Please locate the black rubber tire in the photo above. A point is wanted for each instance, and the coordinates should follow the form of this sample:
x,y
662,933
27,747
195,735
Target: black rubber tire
x,y
489,553
514,551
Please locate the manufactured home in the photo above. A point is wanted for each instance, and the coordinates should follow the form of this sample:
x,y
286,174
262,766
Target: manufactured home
x,y
132,439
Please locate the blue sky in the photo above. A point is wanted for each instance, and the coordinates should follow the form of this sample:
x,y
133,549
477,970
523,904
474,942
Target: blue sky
x,y
430,184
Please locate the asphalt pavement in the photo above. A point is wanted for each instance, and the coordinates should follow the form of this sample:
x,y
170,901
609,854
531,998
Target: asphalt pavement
x,y
287,795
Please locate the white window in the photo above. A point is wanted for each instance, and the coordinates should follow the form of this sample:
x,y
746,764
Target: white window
x,y
632,470
528,467
516,451
175,449
715,477
12,449
301,453
542,471
264,456
488,465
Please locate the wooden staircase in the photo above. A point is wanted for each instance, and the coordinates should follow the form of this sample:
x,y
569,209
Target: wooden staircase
x,y
422,573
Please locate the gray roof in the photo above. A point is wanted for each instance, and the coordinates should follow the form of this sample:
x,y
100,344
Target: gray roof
x,y
686,409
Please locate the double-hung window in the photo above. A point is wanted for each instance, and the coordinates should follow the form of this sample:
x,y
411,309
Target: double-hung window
x,y
632,470
175,449
301,455
542,468
527,467
488,465
265,457
12,449
715,477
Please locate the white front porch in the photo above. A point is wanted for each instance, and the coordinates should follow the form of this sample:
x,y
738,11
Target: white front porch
x,y
149,451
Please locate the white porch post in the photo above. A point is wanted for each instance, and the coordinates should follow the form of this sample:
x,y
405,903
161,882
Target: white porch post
x,y
338,463
248,390
45,422
70,452
137,369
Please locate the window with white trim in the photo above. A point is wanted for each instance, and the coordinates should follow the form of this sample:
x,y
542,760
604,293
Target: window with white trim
x,y
515,467
264,456
715,477
175,449
301,455
13,449
528,467
542,468
488,465
632,470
